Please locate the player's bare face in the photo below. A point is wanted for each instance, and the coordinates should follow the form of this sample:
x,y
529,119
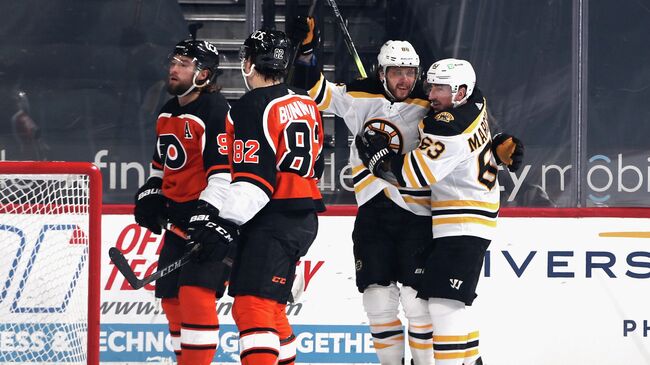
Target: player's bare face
x,y
440,97
400,81
181,73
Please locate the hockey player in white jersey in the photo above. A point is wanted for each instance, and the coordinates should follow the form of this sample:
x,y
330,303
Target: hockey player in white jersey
x,y
393,223
455,160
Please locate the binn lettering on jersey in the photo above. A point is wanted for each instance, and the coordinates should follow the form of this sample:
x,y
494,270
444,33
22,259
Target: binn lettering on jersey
x,y
296,110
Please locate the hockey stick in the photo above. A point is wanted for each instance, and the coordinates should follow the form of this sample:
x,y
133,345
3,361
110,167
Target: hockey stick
x,y
347,38
124,268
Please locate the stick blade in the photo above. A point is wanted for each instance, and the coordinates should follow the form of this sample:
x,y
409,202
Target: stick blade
x,y
124,268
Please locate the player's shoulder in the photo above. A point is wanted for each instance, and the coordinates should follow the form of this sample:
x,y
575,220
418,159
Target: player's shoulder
x,y
214,101
368,85
171,106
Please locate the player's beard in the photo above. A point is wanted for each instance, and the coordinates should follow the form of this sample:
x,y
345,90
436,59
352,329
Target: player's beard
x,y
178,87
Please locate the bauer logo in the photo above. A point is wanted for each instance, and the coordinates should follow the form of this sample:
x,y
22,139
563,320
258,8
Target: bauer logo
x,y
314,343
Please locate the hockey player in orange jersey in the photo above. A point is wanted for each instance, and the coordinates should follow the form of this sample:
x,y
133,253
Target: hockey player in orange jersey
x,y
275,139
187,165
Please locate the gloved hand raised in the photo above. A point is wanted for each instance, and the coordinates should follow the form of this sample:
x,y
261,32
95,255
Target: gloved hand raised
x,y
374,150
214,233
306,33
508,150
149,209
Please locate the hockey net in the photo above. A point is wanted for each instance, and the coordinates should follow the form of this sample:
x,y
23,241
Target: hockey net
x,y
50,214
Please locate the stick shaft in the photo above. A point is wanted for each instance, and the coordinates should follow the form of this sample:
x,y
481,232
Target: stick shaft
x,y
347,39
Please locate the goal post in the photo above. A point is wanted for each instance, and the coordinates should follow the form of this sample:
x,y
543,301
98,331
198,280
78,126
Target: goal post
x,y
50,243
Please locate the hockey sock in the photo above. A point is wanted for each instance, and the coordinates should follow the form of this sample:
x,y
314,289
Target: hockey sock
x,y
287,339
381,304
471,352
259,343
200,326
420,330
449,330
172,308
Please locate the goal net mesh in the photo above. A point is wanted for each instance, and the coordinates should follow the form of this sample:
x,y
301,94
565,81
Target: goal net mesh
x,y
44,265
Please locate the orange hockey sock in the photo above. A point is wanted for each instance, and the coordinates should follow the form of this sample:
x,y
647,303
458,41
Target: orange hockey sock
x,y
200,325
259,343
287,339
172,308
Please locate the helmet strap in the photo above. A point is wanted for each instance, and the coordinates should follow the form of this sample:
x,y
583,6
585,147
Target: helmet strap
x,y
245,75
194,85
456,104
385,83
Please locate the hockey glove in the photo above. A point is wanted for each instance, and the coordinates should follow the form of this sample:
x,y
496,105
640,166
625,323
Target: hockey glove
x,y
150,205
374,150
215,234
508,150
306,33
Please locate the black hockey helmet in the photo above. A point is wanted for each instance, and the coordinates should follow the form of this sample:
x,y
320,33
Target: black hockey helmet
x,y
204,53
269,50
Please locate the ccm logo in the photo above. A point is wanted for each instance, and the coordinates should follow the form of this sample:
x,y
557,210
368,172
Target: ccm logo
x,y
277,279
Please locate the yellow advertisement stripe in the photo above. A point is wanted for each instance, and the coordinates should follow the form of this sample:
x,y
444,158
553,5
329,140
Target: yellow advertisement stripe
x,y
625,234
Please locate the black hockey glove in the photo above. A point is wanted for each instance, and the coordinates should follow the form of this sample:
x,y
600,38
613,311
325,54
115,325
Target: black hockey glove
x,y
306,33
374,150
508,150
149,209
215,234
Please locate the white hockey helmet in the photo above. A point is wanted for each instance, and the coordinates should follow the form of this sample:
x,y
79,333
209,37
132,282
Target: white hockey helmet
x,y
455,73
397,54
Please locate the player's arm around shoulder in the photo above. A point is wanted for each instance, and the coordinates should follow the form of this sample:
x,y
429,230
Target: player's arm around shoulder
x,y
442,147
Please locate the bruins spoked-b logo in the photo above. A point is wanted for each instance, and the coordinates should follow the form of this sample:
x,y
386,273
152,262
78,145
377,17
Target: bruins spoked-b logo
x,y
387,129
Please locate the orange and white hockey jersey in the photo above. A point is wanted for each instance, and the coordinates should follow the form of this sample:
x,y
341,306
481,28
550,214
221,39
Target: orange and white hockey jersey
x,y
275,140
186,153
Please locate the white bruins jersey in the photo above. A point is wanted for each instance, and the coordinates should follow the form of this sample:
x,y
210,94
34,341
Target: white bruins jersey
x,y
363,104
455,160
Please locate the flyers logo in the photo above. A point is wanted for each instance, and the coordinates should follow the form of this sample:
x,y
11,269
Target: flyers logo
x,y
171,151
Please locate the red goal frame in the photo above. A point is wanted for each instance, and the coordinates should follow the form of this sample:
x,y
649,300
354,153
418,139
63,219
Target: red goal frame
x,y
94,234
